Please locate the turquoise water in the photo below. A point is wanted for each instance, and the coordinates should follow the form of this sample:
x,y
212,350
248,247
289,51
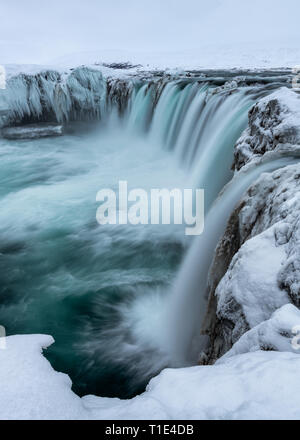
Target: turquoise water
x,y
63,274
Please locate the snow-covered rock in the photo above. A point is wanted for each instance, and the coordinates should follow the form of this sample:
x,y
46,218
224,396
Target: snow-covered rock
x,y
256,267
279,333
273,122
228,86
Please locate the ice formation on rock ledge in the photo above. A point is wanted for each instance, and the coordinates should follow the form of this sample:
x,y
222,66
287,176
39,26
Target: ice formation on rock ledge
x,y
78,95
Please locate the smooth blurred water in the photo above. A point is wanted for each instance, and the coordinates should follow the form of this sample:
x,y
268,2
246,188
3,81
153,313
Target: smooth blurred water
x,y
63,274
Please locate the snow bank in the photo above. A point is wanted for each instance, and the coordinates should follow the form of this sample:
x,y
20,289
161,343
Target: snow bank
x,y
30,388
257,385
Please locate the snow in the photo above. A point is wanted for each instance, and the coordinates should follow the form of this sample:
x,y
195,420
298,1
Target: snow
x,y
65,69
262,275
273,334
30,388
252,280
228,32
256,385
273,124
209,56
59,93
289,103
246,56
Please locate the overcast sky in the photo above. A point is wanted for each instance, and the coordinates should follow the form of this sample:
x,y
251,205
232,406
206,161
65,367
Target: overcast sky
x,y
35,31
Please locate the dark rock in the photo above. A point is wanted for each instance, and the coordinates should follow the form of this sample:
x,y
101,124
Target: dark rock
x,y
33,131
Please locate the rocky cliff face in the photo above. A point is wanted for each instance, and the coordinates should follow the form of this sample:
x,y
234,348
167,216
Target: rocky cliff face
x,y
256,269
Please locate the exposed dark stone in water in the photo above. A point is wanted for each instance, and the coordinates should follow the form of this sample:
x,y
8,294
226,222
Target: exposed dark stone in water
x,y
118,66
33,131
83,94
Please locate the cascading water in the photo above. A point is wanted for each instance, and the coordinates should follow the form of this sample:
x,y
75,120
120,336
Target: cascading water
x,y
104,292
208,126
187,305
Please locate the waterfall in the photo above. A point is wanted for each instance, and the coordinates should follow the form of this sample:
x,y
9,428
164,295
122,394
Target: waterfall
x,y
140,109
187,301
134,325
199,125
202,128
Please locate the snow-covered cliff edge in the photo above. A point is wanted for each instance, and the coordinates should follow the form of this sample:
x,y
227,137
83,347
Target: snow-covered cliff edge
x,y
256,267
248,383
